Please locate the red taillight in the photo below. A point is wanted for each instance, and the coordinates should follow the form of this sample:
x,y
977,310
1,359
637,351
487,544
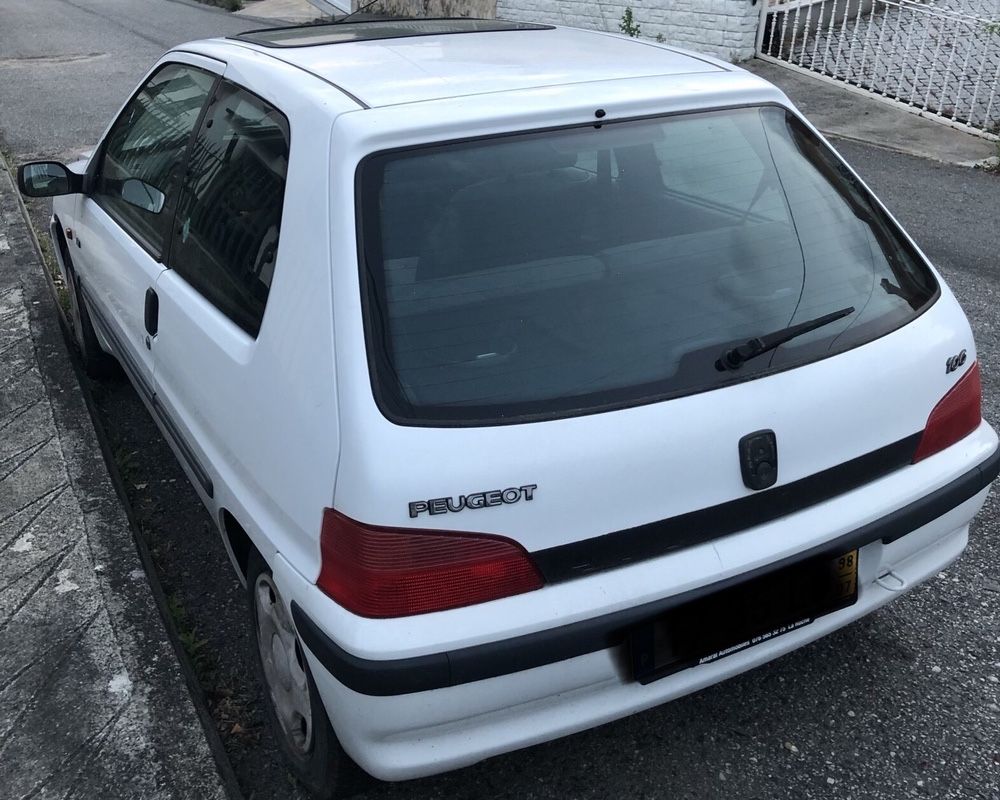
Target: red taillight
x,y
395,572
956,416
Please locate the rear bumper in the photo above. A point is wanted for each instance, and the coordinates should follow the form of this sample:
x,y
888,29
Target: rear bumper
x,y
383,678
410,717
413,735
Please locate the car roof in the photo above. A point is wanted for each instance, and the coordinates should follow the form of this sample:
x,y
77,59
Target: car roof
x,y
383,63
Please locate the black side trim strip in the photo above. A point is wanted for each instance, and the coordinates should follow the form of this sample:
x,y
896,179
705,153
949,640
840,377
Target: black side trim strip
x,y
121,352
440,670
149,395
612,550
168,422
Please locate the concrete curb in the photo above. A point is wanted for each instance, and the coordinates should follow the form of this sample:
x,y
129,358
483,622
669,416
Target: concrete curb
x,y
834,134
148,643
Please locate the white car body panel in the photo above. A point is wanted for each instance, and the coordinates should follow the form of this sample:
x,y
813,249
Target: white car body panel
x,y
410,736
280,386
286,425
113,268
421,69
116,272
675,573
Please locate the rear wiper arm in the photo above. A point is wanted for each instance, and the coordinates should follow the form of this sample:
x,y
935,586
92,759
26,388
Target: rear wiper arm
x,y
734,358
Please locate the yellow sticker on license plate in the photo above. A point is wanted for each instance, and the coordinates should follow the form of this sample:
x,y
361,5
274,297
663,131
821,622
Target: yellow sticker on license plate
x,y
845,569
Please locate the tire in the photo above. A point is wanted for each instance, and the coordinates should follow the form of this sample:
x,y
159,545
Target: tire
x,y
310,746
96,363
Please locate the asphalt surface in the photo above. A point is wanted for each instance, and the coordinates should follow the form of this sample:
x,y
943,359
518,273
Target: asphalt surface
x,y
905,703
69,65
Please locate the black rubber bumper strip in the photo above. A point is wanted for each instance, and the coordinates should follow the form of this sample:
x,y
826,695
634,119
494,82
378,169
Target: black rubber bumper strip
x,y
612,550
455,667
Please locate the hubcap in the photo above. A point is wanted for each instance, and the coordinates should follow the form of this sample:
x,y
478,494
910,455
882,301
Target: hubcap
x,y
284,665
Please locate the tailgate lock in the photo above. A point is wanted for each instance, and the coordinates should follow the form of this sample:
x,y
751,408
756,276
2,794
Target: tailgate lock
x,y
759,459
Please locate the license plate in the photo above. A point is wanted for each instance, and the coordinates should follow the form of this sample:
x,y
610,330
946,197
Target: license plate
x,y
741,616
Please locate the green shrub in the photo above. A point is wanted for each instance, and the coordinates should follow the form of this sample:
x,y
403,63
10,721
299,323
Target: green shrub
x,y
628,25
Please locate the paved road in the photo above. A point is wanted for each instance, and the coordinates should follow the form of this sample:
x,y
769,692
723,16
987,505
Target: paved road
x,y
67,65
905,703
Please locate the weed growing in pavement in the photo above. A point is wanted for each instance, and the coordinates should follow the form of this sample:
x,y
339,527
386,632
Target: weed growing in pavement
x,y
628,25
993,165
125,461
49,257
195,649
63,297
193,645
230,709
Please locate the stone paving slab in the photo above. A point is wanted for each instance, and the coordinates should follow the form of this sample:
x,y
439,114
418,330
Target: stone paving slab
x,y
93,703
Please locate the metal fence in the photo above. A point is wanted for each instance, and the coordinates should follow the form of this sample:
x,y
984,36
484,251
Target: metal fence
x,y
942,58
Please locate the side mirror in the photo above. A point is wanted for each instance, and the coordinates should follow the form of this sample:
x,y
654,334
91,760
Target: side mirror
x,y
141,195
47,179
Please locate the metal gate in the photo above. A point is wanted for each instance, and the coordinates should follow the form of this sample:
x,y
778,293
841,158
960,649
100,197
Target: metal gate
x,y
941,59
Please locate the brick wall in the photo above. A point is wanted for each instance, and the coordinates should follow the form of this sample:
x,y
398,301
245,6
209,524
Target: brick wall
x,y
722,28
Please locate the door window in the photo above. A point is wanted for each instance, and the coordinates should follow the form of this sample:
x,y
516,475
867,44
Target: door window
x,y
143,155
226,230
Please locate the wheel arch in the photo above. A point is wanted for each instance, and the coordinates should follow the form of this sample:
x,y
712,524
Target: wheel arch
x,y
239,545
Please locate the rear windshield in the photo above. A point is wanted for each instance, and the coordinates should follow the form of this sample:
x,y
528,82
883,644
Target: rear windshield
x,y
571,271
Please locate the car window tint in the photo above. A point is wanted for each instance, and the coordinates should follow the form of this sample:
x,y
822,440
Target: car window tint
x,y
735,177
226,230
566,271
143,154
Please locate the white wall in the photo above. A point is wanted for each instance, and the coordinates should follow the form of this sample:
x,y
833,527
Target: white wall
x,y
722,28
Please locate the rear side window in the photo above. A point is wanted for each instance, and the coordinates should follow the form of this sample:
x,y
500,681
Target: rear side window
x,y
143,155
228,219
571,271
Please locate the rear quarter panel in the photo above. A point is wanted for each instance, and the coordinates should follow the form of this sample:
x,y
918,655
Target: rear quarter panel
x,y
604,472
262,412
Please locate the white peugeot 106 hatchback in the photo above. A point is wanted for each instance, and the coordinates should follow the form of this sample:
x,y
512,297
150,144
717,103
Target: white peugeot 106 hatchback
x,y
533,376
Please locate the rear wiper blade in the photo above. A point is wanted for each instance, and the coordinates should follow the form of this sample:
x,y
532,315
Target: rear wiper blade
x,y
734,357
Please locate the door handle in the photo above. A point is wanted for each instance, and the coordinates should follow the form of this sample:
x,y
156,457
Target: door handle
x,y
151,316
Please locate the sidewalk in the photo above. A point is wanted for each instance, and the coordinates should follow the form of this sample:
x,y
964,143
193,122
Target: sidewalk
x,y
292,12
93,703
838,111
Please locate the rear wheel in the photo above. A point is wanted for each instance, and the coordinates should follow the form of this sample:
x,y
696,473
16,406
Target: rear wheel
x,y
291,701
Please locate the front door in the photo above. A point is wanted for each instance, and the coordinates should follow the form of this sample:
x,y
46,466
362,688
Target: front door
x,y
123,225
